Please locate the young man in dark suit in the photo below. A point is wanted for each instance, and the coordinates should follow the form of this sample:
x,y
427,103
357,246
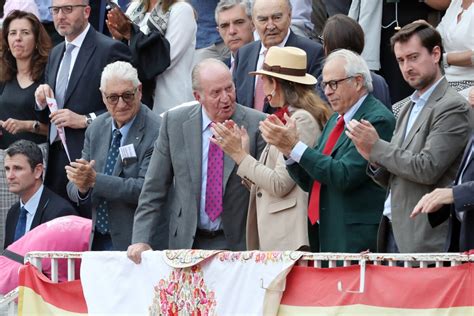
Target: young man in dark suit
x,y
37,205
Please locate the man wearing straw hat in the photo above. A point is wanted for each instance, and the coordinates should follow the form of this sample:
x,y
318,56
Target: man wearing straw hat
x,y
343,198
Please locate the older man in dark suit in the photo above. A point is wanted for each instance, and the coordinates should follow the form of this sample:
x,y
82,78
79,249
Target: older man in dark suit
x,y
108,179
24,171
209,209
72,77
272,19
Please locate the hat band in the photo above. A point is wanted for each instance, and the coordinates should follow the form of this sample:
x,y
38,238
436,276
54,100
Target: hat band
x,y
285,71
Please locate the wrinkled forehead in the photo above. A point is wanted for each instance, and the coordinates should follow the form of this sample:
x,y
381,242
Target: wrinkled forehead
x,y
267,8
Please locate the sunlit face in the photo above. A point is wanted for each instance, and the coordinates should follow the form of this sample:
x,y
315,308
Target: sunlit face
x,y
272,18
235,27
348,91
72,24
217,93
21,179
21,39
123,111
419,67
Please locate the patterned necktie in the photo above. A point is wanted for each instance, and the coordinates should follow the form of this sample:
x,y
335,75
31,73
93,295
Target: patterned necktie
x,y
259,99
61,87
313,207
102,222
215,171
21,224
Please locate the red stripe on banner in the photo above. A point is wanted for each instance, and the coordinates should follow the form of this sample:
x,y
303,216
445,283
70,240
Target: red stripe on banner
x,y
384,286
66,295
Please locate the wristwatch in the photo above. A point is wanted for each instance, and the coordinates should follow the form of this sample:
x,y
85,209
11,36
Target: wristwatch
x,y
36,126
89,119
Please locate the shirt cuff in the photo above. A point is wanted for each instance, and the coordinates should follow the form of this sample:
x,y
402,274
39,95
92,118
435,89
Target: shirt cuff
x,y
81,197
298,151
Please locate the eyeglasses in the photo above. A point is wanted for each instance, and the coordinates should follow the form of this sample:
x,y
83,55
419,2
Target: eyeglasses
x,y
67,9
127,97
333,83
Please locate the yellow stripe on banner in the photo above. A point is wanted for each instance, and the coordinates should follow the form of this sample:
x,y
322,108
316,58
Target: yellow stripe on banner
x,y
365,310
30,303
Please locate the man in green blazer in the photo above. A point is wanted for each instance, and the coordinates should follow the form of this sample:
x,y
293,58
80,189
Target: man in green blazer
x,y
350,205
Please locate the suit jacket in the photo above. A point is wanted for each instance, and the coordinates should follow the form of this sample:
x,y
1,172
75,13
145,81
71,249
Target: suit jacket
x,y
461,233
121,189
82,94
426,159
247,57
50,207
177,161
350,203
277,213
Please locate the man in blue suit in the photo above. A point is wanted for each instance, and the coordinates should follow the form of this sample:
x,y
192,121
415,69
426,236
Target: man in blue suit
x,y
272,19
73,78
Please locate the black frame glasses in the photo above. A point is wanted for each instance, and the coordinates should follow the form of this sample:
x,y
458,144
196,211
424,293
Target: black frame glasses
x,y
66,9
333,83
127,97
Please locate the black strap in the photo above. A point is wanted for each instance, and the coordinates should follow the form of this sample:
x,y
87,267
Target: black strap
x,y
13,256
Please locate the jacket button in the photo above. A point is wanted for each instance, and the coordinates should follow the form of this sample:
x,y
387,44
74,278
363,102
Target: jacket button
x,y
259,194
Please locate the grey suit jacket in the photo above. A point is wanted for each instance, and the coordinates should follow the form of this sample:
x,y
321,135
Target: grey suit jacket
x,y
121,189
177,161
426,159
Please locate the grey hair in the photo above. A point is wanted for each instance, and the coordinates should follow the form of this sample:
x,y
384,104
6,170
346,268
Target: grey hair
x,y
355,65
288,3
195,78
120,70
225,5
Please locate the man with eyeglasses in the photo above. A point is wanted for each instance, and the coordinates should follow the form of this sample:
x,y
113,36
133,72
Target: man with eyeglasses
x,y
106,182
272,20
72,77
343,198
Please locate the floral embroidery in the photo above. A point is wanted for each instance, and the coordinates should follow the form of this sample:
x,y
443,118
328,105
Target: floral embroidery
x,y
185,293
259,256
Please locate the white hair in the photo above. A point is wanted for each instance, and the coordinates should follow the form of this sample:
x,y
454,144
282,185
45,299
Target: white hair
x,y
355,65
119,70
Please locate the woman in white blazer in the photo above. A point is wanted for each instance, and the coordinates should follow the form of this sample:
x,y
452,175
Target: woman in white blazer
x,y
277,213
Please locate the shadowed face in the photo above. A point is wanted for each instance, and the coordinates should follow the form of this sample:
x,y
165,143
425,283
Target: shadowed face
x,y
235,27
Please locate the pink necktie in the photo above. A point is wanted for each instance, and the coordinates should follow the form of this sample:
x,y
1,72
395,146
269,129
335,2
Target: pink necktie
x,y
259,98
215,171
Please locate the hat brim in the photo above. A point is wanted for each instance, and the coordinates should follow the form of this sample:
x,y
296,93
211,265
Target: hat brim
x,y
306,80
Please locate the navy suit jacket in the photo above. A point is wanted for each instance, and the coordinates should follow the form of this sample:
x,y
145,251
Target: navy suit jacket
x,y
247,57
83,95
461,233
50,207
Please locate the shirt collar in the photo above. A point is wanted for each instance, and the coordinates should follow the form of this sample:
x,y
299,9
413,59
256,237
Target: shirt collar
x,y
77,42
125,128
350,114
415,97
206,121
32,205
282,44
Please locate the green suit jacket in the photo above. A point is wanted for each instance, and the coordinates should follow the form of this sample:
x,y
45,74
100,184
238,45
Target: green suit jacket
x,y
350,202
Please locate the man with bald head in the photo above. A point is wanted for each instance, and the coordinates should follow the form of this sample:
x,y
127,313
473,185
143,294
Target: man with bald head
x,y
209,206
272,20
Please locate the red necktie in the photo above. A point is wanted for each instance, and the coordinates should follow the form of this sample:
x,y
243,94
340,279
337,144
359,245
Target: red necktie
x,y
215,171
259,98
313,207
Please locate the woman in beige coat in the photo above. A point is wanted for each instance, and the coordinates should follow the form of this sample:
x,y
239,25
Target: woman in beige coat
x,y
277,213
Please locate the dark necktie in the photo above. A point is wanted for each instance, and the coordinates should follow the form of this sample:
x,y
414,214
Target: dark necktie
x,y
102,222
313,207
215,171
21,224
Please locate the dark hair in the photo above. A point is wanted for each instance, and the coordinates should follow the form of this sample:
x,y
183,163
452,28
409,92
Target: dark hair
x,y
27,148
429,36
40,53
304,97
342,32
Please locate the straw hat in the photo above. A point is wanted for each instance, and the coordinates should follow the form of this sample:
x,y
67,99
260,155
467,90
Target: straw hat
x,y
288,63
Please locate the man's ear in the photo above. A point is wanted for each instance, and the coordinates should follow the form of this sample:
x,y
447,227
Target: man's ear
x,y
38,171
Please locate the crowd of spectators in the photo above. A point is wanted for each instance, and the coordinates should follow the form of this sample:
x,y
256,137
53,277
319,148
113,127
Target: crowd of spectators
x,y
292,143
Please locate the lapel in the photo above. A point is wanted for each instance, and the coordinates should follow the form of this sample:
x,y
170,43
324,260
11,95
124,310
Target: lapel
x,y
238,117
291,39
252,61
85,54
464,162
102,137
55,62
193,145
134,137
402,123
43,203
437,94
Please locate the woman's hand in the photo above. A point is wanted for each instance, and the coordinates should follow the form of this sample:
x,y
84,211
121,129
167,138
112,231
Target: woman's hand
x,y
15,126
230,138
119,24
